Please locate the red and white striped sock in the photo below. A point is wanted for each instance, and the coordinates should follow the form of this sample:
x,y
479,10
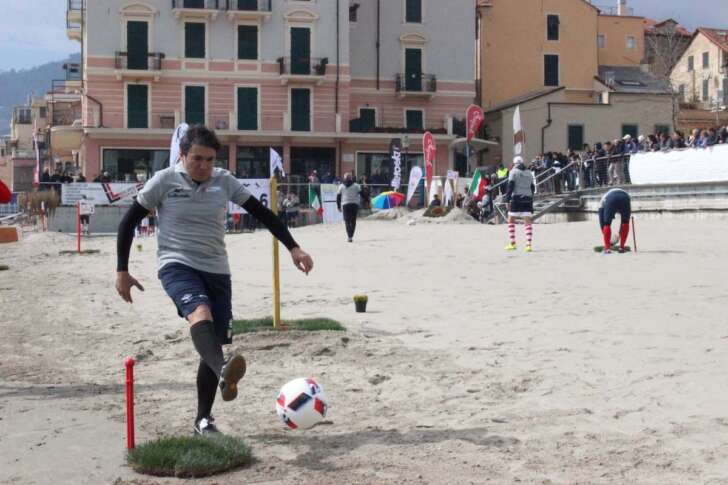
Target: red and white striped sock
x,y
529,234
512,232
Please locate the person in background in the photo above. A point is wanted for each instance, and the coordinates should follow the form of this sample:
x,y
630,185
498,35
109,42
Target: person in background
x,y
347,201
519,197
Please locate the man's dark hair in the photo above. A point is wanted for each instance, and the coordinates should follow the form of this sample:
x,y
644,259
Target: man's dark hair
x,y
198,135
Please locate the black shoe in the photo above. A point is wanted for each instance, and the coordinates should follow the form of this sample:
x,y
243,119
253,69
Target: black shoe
x,y
622,250
232,372
206,427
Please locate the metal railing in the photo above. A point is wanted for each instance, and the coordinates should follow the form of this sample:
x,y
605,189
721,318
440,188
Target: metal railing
x,y
250,5
154,62
303,66
201,4
416,83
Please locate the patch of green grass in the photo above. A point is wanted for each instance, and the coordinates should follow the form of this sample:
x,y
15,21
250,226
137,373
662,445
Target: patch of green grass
x,y
190,456
83,251
305,324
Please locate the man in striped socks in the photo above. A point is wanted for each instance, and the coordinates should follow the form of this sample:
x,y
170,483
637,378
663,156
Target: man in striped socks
x,y
519,197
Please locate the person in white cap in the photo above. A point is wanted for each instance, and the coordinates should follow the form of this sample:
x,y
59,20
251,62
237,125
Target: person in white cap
x,y
519,200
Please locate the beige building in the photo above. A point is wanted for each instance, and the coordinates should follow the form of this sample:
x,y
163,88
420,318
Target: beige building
x,y
574,70
701,75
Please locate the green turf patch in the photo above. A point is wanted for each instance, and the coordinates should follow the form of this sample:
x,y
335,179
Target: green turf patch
x,y
190,456
305,324
599,249
83,251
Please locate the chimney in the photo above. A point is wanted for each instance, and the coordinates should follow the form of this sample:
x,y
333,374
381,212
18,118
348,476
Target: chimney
x,y
622,8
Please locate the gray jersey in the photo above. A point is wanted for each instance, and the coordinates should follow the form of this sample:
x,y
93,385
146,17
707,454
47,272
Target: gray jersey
x,y
192,216
523,182
350,194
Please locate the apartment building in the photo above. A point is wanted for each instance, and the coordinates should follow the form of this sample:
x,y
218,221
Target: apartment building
x,y
327,83
701,74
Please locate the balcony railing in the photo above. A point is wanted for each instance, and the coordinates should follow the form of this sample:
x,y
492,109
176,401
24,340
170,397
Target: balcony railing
x,y
153,62
303,66
73,71
249,5
200,4
416,83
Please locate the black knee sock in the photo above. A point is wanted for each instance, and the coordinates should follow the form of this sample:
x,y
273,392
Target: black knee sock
x,y
207,345
206,390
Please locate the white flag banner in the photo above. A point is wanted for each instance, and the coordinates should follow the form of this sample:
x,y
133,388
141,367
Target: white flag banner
x,y
519,136
276,162
174,151
448,192
414,180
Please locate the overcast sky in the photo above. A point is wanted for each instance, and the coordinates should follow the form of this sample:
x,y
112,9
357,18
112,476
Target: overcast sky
x,y
33,32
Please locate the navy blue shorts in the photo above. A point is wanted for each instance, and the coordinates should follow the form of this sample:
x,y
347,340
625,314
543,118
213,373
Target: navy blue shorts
x,y
189,288
617,202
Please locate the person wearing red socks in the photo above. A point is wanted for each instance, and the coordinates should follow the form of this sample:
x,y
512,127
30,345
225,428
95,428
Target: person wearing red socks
x,y
519,197
5,194
615,201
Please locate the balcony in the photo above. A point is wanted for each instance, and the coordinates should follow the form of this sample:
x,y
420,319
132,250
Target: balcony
x,y
126,65
197,9
415,85
74,19
248,9
303,69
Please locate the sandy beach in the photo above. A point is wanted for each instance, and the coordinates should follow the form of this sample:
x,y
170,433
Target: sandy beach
x,y
472,365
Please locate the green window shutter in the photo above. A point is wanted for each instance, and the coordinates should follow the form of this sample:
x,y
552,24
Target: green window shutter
x,y
137,45
195,105
300,50
632,130
368,118
247,42
414,11
413,69
247,4
300,110
551,70
137,105
247,108
414,120
576,137
194,40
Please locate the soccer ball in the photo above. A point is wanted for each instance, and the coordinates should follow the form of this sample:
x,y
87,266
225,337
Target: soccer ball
x,y
301,403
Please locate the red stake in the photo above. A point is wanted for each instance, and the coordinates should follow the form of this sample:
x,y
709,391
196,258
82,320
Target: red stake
x,y
129,363
78,226
634,235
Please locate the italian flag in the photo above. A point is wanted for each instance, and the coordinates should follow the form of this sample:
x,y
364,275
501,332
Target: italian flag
x,y
477,186
313,200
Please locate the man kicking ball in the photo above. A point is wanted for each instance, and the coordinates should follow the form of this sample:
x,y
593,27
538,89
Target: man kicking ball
x,y
191,201
519,197
615,201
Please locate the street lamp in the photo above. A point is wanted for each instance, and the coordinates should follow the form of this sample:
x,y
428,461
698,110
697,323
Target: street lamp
x,y
405,145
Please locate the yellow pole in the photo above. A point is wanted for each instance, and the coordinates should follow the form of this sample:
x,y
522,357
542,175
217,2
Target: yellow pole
x,y
276,269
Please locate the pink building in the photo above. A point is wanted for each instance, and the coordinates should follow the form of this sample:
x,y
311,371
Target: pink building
x,y
328,83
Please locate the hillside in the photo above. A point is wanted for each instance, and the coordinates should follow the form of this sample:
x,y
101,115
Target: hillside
x,y
16,86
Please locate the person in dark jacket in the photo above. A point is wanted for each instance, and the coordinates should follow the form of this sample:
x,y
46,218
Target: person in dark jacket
x,y
347,201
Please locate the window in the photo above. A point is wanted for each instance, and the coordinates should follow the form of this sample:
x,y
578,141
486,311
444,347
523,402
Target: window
x,y
681,91
301,109
691,63
706,60
247,42
576,137
300,50
194,40
552,27
354,12
368,118
247,108
631,42
222,157
659,129
254,162
133,165
632,130
43,112
195,105
22,116
415,119
551,70
413,11
601,41
706,90
137,102
137,45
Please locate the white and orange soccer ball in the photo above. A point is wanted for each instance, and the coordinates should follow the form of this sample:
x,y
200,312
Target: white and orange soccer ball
x,y
301,403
